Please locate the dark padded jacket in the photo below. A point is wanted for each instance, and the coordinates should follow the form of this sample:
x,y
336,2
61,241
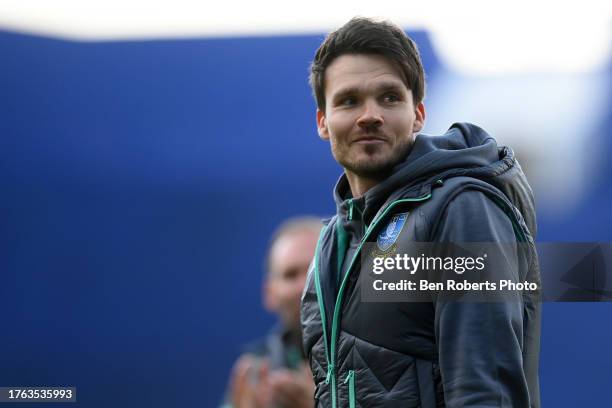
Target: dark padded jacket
x,y
458,187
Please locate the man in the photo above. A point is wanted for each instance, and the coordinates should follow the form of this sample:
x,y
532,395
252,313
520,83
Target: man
x,y
272,372
398,188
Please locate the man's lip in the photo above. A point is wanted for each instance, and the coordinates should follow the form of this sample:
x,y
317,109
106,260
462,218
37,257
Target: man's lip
x,y
365,140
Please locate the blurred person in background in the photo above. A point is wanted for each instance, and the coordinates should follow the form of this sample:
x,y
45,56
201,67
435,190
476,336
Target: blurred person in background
x,y
273,372
400,187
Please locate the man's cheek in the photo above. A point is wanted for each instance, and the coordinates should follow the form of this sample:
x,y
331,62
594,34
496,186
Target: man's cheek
x,y
298,288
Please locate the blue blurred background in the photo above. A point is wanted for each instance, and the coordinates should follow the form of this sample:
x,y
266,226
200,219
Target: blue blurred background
x,y
140,182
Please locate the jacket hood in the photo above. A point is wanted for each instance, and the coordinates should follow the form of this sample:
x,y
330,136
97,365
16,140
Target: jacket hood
x,y
464,150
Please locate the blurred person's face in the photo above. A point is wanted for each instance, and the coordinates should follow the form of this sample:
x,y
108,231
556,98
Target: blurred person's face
x,y
370,117
290,257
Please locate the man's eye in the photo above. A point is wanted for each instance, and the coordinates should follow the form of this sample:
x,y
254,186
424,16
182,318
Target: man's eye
x,y
391,98
349,101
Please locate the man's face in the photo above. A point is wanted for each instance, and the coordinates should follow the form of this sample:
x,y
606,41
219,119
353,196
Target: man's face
x,y
289,260
370,117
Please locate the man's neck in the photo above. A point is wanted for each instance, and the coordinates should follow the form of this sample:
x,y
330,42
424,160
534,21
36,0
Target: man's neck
x,y
292,334
360,185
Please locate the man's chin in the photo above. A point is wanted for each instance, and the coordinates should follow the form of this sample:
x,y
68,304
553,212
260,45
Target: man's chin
x,y
292,323
372,167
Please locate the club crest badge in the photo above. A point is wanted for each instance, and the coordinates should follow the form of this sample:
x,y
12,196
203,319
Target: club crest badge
x,y
388,236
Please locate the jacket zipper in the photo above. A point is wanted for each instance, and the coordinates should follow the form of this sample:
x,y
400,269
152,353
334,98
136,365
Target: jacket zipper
x,y
331,354
350,378
320,302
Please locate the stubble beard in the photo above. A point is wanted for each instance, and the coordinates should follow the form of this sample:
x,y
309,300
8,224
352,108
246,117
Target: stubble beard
x,y
373,167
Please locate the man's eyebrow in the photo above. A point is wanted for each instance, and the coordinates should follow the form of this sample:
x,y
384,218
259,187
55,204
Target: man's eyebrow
x,y
390,86
382,87
345,91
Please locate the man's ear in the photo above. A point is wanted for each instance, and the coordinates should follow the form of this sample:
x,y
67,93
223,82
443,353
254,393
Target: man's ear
x,y
322,125
419,121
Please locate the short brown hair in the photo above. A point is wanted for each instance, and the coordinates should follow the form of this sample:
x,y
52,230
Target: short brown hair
x,y
366,36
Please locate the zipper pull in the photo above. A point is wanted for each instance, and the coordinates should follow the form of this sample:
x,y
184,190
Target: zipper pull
x,y
330,372
351,374
350,214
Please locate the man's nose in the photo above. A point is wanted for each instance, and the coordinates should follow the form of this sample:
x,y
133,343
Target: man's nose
x,y
371,117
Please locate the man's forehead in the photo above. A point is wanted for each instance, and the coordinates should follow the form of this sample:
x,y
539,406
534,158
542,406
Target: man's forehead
x,y
294,245
354,71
